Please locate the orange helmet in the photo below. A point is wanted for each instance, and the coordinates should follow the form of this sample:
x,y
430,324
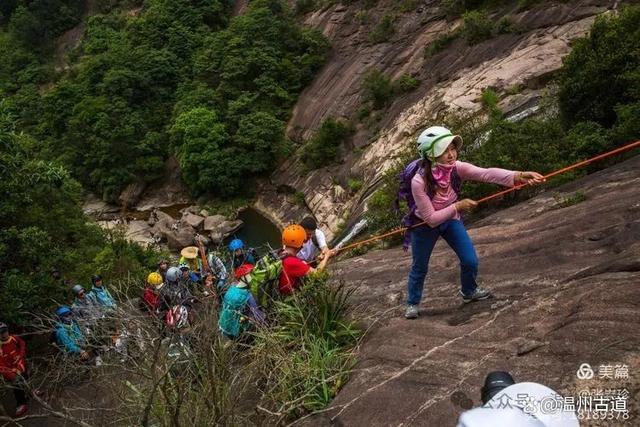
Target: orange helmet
x,y
294,236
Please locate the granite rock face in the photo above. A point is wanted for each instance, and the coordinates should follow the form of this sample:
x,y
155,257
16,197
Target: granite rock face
x,y
565,284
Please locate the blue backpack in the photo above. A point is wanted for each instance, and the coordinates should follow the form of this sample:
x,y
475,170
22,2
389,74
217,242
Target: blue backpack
x,y
404,194
234,307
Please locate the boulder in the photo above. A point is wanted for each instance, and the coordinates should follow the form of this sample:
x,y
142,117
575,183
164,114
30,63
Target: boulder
x,y
135,228
227,228
164,217
204,240
140,232
169,191
97,207
193,220
216,237
204,213
132,193
212,222
189,209
178,239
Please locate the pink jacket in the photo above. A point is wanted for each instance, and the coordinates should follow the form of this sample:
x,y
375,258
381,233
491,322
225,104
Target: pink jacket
x,y
442,208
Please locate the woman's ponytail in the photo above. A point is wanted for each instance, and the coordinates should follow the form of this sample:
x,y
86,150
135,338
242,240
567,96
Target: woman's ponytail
x,y
429,182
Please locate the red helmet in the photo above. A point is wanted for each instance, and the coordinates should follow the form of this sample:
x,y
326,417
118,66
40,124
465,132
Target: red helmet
x,y
243,270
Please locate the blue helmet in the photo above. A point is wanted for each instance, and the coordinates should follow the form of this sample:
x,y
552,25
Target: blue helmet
x,y
236,244
63,311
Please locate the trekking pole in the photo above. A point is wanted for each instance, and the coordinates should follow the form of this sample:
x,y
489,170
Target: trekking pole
x,y
499,193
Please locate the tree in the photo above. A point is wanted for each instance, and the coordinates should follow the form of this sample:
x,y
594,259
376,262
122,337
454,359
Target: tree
x,y
603,70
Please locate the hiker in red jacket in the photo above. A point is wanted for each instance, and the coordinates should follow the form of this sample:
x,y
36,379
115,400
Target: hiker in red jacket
x,y
13,366
293,268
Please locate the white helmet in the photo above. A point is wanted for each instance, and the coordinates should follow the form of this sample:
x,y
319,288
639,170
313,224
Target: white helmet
x,y
173,275
433,141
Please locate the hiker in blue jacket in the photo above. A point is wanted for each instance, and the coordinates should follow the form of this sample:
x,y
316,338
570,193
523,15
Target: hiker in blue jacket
x,y
69,336
240,310
99,294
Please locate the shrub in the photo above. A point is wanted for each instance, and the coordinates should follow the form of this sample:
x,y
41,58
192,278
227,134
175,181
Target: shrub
x,y
324,147
355,185
477,27
405,6
454,8
304,6
601,72
440,43
299,198
383,30
505,25
378,88
306,355
405,83
43,230
574,199
490,99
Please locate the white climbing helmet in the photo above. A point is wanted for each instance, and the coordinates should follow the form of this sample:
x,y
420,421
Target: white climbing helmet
x,y
433,141
173,274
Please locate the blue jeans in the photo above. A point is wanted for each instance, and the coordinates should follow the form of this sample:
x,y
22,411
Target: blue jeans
x,y
423,239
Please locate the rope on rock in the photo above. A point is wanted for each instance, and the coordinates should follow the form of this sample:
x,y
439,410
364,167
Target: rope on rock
x,y
498,194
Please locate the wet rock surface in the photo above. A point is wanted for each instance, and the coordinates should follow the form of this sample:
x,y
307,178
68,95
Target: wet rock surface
x,y
561,298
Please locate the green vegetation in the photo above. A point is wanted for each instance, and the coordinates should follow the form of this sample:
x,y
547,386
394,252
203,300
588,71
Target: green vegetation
x,y
324,148
43,231
597,108
490,99
379,90
406,83
601,77
405,6
178,79
276,373
304,6
299,198
383,31
306,355
505,25
440,43
476,26
455,8
355,185
574,199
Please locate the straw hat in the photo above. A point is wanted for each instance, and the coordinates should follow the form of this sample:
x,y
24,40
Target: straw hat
x,y
190,252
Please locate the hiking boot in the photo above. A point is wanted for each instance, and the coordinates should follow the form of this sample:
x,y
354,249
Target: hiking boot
x,y
412,312
478,295
21,410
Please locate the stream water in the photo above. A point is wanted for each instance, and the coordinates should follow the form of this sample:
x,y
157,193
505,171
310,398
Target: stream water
x,y
258,231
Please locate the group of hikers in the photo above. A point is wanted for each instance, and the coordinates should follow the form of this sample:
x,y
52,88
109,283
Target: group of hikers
x,y
242,283
246,282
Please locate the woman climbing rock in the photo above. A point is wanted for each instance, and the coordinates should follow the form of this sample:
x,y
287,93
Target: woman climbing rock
x,y
431,186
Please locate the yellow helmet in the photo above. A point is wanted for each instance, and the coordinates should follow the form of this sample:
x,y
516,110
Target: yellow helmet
x,y
154,279
294,236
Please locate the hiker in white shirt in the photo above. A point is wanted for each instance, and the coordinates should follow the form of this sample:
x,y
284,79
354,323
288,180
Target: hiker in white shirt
x,y
316,241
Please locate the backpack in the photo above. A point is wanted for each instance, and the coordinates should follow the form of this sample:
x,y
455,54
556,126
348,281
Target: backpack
x,y
234,307
265,277
405,195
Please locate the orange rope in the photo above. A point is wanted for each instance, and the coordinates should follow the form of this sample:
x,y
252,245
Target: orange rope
x,y
498,194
